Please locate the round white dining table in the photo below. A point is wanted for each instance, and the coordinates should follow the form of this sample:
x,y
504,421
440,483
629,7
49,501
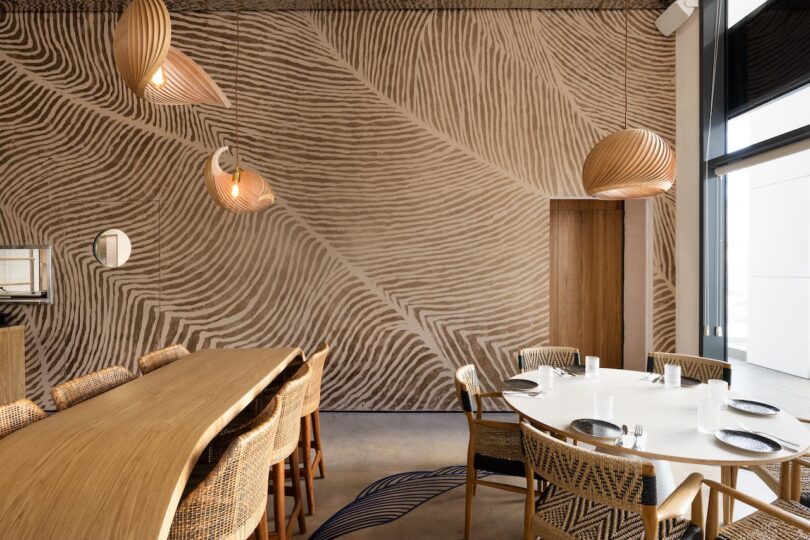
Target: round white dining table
x,y
668,416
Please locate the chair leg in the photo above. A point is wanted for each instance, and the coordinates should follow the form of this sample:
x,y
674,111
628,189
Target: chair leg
x,y
471,476
261,530
278,501
298,508
316,428
308,473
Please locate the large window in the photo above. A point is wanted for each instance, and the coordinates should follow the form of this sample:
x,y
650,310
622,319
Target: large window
x,y
755,79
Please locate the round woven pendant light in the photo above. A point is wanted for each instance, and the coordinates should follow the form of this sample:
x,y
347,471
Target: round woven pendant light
x,y
629,164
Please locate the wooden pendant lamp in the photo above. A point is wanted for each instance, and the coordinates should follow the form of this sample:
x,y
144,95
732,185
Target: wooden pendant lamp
x,y
151,67
243,191
630,163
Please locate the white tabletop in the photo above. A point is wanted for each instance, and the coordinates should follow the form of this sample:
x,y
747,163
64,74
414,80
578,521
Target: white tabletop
x,y
669,417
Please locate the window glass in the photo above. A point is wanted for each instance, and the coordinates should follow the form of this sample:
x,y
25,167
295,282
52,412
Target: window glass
x,y
779,116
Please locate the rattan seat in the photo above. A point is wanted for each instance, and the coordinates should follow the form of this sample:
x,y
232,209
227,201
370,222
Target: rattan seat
x,y
762,526
532,358
161,357
575,518
82,388
231,501
499,450
696,367
18,414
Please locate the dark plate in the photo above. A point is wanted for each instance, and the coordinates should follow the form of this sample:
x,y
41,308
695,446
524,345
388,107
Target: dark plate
x,y
596,428
573,368
520,384
750,442
753,407
689,381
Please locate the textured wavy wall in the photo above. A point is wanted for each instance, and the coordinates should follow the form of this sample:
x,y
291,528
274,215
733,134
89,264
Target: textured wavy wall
x,y
413,154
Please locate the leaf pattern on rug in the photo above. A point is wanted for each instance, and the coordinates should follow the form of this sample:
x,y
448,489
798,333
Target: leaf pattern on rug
x,y
390,498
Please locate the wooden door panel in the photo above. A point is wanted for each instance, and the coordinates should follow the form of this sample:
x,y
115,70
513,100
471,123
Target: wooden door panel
x,y
587,247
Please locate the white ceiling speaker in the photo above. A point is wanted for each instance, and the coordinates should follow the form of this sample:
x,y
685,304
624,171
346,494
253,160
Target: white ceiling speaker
x,y
675,15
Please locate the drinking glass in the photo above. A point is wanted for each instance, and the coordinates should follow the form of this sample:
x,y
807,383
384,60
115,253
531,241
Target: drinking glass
x,y
718,391
672,376
546,378
603,406
708,415
591,367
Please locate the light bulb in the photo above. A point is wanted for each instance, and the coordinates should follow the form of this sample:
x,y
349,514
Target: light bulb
x,y
235,183
159,78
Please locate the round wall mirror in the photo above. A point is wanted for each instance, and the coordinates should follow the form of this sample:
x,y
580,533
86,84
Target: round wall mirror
x,y
112,248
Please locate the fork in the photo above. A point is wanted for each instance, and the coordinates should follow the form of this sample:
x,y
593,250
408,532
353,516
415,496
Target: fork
x,y
637,433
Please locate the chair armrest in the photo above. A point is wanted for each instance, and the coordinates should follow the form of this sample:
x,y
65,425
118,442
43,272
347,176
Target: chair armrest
x,y
802,462
787,517
679,501
510,426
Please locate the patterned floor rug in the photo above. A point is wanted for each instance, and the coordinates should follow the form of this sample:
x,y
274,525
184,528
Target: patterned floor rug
x,y
390,498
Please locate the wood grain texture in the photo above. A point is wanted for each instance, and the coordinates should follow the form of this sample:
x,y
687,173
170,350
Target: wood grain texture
x,y
12,364
587,250
115,466
412,154
263,5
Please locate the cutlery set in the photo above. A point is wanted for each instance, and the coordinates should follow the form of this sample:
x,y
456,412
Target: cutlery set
x,y
638,432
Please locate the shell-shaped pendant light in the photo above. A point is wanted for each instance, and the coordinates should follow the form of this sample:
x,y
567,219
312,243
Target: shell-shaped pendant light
x,y
253,194
629,164
185,83
153,69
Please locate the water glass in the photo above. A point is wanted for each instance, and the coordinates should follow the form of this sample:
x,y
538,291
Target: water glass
x,y
591,367
718,391
546,378
672,376
708,415
603,406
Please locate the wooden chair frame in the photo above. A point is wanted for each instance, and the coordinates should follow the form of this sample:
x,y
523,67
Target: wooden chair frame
x,y
686,497
475,421
713,514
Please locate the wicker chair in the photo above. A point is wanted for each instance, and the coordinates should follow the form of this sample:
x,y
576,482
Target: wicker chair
x,y
494,446
18,414
285,446
161,357
780,520
311,425
695,367
231,502
532,358
82,388
601,496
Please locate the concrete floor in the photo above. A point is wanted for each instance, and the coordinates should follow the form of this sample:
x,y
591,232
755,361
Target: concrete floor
x,y
364,447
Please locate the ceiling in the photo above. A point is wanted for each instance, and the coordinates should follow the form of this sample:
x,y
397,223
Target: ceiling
x,y
267,5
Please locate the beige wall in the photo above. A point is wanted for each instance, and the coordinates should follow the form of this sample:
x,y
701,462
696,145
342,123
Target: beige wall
x,y
413,154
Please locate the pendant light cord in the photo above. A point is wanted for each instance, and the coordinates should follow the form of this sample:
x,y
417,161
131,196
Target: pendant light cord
x,y
626,39
236,93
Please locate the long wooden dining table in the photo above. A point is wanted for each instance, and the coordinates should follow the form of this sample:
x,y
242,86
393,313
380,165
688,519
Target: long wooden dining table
x,y
115,466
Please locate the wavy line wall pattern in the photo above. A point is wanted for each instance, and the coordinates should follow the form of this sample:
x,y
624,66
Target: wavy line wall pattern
x,y
413,154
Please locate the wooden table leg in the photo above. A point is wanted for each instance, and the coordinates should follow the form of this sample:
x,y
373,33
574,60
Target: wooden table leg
x,y
785,481
728,477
